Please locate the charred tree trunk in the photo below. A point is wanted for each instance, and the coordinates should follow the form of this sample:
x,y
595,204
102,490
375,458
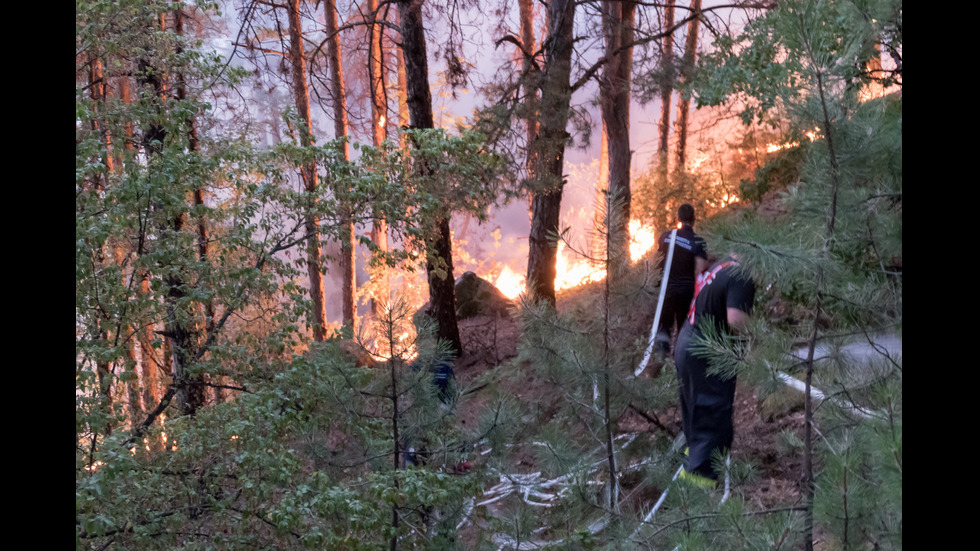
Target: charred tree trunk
x,y
687,66
439,267
301,95
548,151
614,100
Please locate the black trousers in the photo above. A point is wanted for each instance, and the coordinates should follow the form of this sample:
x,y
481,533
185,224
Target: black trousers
x,y
677,302
706,407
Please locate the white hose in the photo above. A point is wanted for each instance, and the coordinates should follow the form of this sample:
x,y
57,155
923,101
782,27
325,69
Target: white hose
x,y
816,393
660,307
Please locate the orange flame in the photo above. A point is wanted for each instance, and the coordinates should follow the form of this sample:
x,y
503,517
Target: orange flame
x,y
510,283
573,271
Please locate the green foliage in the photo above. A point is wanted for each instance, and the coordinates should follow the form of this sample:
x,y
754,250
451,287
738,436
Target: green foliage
x,y
302,456
305,453
584,357
777,173
413,188
837,245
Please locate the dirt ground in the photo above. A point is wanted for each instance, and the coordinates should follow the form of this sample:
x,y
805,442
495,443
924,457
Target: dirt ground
x,y
491,342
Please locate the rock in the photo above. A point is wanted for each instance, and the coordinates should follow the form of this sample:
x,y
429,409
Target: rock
x,y
476,296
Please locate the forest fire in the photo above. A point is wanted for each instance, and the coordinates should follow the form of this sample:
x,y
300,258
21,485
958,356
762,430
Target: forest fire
x,y
373,335
510,283
572,271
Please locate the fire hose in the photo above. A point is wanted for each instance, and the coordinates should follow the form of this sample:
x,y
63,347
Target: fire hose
x,y
660,307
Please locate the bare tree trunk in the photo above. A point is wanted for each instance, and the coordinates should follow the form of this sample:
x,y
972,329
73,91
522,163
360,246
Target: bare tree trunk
x,y
614,100
808,478
148,361
598,249
131,366
97,91
548,152
442,292
530,89
301,94
666,92
532,76
347,261
684,101
148,378
379,112
189,390
404,119
206,325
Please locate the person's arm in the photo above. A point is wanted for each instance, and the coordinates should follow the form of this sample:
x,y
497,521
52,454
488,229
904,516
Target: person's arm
x,y
737,320
700,265
741,295
660,257
700,256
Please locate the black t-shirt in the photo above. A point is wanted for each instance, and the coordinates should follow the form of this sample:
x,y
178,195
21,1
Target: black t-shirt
x,y
725,286
687,247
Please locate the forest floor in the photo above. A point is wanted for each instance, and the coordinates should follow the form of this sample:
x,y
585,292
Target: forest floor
x,y
491,344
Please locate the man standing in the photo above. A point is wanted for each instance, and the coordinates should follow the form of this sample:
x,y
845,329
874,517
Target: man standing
x,y
723,298
690,258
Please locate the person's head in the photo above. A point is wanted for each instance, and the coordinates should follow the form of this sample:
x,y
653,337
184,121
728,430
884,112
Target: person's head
x,y
685,214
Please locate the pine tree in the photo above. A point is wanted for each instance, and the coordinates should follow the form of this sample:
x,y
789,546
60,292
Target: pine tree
x,y
547,151
439,267
590,466
840,261
614,93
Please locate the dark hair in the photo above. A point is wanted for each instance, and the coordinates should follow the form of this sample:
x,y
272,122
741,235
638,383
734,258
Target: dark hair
x,y
685,213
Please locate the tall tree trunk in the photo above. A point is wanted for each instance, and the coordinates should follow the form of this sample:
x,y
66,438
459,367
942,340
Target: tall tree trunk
x,y
379,124
301,94
404,118
347,260
530,88
148,374
598,249
206,325
614,100
148,361
531,82
136,408
684,100
442,292
548,151
808,476
189,390
97,91
666,92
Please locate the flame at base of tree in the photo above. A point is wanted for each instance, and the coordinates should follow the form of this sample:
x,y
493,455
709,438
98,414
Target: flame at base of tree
x,y
574,270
